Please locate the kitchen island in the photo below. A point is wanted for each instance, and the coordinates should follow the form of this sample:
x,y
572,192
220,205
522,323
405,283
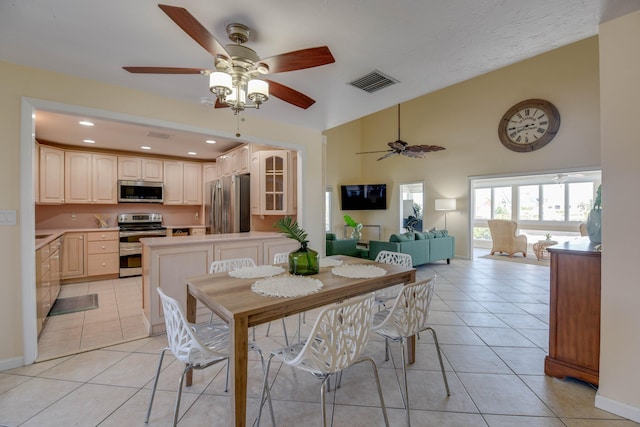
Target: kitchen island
x,y
168,261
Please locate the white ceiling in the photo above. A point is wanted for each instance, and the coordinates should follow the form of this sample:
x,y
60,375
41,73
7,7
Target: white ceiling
x,y
424,44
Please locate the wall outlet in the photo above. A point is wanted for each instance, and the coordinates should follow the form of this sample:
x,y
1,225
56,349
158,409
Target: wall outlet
x,y
73,217
197,215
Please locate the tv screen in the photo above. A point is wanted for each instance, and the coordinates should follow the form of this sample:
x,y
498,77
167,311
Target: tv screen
x,y
364,197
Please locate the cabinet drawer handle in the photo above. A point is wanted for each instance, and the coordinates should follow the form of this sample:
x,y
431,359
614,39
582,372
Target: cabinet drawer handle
x,y
103,246
104,264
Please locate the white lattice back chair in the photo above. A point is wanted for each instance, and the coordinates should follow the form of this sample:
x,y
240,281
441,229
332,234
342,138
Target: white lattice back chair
x,y
407,317
396,258
197,346
281,258
230,264
336,342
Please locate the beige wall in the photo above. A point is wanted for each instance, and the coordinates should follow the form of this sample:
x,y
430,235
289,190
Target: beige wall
x,y
464,119
17,82
619,390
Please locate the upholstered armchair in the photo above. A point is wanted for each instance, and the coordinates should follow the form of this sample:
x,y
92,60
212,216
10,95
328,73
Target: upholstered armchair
x,y
503,235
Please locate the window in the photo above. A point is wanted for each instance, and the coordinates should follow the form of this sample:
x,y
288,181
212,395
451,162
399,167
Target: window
x,y
411,206
545,203
328,193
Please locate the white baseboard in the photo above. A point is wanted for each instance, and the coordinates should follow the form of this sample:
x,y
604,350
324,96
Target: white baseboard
x,y
618,408
13,363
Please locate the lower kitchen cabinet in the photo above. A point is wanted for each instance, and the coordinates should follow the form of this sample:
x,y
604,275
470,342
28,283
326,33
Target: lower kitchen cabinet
x,y
47,280
102,253
73,256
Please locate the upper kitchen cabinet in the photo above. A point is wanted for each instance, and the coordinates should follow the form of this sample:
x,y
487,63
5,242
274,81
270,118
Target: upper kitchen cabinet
x,y
90,178
234,162
51,179
140,169
182,183
271,183
209,172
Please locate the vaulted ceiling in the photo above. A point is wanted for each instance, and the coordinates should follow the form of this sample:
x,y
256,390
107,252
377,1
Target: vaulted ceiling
x,y
423,44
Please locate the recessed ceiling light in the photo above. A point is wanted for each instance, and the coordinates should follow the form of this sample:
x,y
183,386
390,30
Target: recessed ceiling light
x,y
192,153
89,141
86,123
145,147
210,141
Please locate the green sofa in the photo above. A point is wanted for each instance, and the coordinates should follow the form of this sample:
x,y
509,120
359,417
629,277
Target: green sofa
x,y
424,247
335,246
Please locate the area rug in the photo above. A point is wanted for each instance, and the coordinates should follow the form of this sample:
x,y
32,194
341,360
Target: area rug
x,y
74,304
518,259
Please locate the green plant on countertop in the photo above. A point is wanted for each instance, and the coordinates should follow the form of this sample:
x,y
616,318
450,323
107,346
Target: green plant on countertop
x,y
597,204
548,236
291,229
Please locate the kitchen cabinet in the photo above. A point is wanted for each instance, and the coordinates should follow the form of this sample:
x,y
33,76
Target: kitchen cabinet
x,y
140,169
270,183
103,253
240,160
90,178
47,280
209,172
574,311
51,177
234,162
183,183
74,256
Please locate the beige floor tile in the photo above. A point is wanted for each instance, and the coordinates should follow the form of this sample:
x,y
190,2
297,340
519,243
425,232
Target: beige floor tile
x,y
134,410
503,394
480,359
87,406
522,321
523,360
135,370
505,337
511,420
29,398
598,423
84,366
567,398
482,319
7,381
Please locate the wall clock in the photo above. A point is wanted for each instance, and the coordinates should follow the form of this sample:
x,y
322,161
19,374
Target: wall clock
x,y
529,125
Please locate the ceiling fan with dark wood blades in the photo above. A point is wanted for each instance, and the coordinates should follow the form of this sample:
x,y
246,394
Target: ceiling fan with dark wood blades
x,y
403,148
241,62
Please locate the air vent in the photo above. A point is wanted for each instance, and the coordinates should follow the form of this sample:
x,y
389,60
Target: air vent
x,y
159,135
373,81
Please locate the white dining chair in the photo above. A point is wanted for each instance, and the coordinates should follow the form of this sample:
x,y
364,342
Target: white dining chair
x,y
198,346
407,317
223,265
336,342
395,258
281,258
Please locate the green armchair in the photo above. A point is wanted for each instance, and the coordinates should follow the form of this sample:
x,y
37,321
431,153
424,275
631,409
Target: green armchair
x,y
335,246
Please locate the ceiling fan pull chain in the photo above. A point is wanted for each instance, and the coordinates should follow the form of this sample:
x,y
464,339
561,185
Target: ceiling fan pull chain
x,y
238,125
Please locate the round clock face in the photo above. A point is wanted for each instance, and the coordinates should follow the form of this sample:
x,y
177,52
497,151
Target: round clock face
x,y
529,125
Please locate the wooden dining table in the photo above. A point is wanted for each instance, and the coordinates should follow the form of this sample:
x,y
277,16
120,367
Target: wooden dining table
x,y
233,300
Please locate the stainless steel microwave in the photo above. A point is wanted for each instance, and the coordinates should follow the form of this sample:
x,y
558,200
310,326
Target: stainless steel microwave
x,y
140,192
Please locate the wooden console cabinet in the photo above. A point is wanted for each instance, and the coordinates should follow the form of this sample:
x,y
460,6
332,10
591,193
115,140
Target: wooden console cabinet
x,y
574,311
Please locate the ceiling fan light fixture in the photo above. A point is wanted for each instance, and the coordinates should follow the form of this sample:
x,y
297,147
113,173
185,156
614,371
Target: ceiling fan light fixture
x,y
220,84
258,91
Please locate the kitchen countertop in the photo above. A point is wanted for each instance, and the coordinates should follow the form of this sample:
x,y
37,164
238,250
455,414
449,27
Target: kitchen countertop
x,y
47,236
156,242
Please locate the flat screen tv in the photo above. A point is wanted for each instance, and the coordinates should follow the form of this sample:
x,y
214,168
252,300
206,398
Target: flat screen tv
x,y
363,197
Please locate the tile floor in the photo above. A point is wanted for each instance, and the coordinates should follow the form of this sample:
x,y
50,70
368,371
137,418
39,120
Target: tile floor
x,y
491,319
118,318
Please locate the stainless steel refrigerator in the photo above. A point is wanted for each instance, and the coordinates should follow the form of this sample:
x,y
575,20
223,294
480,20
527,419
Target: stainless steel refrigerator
x,y
228,205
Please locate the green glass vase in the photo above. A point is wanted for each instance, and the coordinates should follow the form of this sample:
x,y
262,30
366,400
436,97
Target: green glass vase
x,y
304,261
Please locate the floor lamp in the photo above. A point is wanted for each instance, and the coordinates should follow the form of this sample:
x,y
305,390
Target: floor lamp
x,y
445,205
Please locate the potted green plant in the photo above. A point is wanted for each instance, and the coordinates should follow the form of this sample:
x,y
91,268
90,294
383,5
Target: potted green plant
x,y
357,227
594,220
414,222
304,261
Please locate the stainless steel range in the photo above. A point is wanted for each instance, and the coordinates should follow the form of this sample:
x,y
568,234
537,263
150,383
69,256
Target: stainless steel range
x,y
133,227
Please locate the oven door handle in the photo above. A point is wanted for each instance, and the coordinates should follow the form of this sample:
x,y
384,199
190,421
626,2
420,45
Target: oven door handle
x,y
158,233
